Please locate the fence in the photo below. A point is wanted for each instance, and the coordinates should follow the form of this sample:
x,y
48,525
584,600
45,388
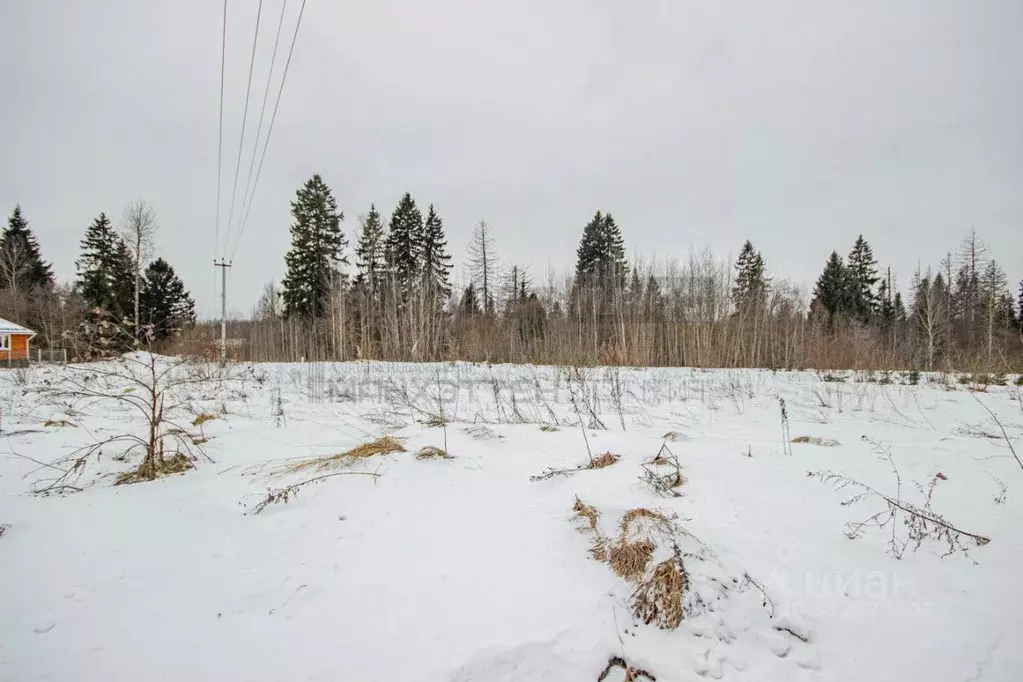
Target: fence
x,y
56,355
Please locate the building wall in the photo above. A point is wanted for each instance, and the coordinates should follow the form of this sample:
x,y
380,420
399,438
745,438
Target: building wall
x,y
19,348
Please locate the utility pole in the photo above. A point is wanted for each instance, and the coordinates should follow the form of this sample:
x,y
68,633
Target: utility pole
x,y
223,265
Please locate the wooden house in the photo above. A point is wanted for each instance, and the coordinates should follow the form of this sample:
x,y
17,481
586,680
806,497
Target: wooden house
x,y
14,343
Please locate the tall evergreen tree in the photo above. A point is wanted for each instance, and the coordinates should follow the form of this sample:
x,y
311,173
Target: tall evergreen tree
x,y
750,291
316,254
97,268
1019,306
861,269
469,306
831,292
601,252
434,261
369,252
401,248
165,303
22,268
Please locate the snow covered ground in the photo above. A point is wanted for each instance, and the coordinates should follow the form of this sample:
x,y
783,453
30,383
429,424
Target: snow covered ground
x,y
466,569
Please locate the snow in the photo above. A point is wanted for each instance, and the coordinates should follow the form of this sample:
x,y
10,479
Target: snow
x,y
465,569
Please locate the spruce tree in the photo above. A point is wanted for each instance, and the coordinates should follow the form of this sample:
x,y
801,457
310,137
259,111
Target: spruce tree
x,y
830,293
601,252
1019,307
96,267
369,252
316,254
22,269
401,248
434,261
469,306
862,277
750,290
165,303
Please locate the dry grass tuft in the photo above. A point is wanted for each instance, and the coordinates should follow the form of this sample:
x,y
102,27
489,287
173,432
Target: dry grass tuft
x,y
659,598
605,460
587,518
384,445
177,463
814,440
585,511
672,436
433,421
57,422
641,513
431,452
202,418
631,674
548,428
629,559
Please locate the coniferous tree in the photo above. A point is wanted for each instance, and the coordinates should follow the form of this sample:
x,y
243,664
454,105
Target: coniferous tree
x,y
1019,307
601,253
434,261
316,254
98,269
369,252
469,306
831,292
993,295
483,264
750,291
22,268
861,269
401,248
165,303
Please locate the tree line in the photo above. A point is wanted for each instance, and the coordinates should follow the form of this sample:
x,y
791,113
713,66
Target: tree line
x,y
121,296
392,297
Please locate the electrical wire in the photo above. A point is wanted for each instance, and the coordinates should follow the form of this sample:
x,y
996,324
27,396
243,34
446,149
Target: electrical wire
x,y
262,109
245,115
269,133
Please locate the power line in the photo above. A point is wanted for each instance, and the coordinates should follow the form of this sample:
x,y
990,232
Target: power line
x,y
262,109
220,134
269,132
245,114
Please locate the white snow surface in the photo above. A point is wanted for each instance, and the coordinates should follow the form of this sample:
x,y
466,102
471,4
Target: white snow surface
x,y
465,569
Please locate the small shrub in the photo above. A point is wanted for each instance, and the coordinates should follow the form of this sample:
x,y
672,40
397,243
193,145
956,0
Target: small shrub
x,y
913,377
833,378
1019,380
886,378
1000,379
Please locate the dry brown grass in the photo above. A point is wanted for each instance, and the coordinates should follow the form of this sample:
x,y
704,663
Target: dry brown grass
x,y
548,428
814,440
585,511
202,418
659,598
631,674
177,463
605,460
431,452
57,422
629,559
384,445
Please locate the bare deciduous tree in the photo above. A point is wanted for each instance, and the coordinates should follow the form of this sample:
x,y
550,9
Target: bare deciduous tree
x,y
138,229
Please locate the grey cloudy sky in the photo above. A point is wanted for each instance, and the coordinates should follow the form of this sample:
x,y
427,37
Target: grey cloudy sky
x,y
794,124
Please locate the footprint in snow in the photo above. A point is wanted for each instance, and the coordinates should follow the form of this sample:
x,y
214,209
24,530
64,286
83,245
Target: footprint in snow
x,y
43,628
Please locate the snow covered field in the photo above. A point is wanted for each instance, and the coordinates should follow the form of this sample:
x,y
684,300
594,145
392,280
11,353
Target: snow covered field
x,y
466,569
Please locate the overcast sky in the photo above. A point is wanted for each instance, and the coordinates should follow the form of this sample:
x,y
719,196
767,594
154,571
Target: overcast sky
x,y
794,124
